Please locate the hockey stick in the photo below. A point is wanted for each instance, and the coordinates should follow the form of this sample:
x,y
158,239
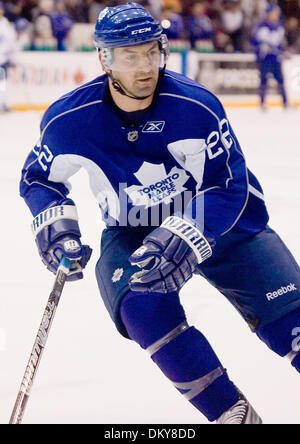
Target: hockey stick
x,y
40,342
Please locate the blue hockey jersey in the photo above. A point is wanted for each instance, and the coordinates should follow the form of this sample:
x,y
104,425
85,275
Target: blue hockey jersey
x,y
269,40
180,156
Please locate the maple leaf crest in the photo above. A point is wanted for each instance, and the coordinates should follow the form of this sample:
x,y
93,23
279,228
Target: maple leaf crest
x,y
156,185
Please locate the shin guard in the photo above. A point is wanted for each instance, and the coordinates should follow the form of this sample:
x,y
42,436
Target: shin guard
x,y
158,324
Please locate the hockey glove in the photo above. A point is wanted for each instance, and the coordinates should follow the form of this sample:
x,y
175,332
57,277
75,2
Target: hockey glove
x,y
169,256
57,234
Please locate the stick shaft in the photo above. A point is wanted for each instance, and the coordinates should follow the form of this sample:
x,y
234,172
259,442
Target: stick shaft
x,y
39,344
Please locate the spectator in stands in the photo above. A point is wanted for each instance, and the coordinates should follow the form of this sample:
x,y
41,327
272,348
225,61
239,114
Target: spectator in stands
x,y
232,22
43,34
254,11
78,10
62,23
201,30
173,24
175,5
290,8
85,11
292,27
13,9
23,30
94,8
8,50
155,7
221,25
223,42
28,9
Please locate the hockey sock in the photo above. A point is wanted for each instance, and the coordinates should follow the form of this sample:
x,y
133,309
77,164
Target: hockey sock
x,y
158,324
262,93
283,337
282,92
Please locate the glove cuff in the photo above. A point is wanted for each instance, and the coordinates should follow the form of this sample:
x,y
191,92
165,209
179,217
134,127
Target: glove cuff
x,y
52,215
191,235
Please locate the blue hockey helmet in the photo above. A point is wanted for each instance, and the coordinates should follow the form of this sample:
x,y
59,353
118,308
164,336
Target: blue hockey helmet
x,y
272,7
21,24
129,24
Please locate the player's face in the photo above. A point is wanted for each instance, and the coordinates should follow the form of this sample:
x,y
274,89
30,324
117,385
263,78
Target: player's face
x,y
274,16
137,68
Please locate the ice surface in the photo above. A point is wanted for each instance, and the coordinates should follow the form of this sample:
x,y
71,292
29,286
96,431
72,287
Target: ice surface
x,y
89,373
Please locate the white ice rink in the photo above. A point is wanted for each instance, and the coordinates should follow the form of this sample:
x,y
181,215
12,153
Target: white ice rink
x,y
89,373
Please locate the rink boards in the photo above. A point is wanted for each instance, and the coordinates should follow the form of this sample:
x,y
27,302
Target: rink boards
x,y
41,77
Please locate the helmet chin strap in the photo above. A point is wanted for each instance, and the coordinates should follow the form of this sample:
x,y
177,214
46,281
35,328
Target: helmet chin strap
x,y
118,87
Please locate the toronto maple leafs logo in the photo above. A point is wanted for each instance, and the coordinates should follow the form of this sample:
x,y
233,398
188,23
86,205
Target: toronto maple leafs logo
x,y
156,185
118,273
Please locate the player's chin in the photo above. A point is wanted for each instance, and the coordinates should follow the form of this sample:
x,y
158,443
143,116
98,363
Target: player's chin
x,y
144,92
145,86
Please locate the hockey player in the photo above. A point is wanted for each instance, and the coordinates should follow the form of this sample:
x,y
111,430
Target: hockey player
x,y
177,199
8,49
269,43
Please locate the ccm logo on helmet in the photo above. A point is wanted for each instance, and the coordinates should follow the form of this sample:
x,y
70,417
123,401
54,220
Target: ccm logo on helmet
x,y
140,31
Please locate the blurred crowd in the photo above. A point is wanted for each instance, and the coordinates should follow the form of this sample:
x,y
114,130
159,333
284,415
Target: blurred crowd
x,y
204,25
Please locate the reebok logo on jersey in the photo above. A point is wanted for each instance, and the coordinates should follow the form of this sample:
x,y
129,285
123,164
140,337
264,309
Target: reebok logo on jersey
x,y
283,290
153,127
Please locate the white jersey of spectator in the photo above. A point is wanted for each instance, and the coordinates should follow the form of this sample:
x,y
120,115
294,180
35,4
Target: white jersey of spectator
x,y
254,11
272,37
232,20
8,42
43,26
24,39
